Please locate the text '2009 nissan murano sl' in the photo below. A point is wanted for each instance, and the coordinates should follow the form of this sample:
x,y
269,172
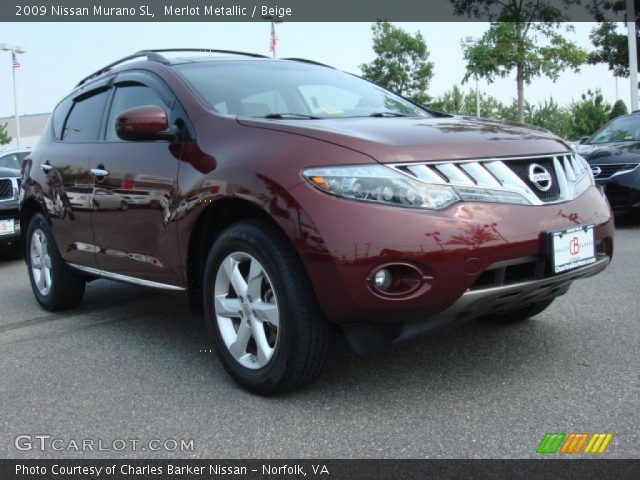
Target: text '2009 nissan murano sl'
x,y
286,198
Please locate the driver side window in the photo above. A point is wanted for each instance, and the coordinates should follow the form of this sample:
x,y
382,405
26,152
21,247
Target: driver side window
x,y
130,96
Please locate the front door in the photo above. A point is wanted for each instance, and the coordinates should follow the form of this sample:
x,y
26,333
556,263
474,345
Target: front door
x,y
134,188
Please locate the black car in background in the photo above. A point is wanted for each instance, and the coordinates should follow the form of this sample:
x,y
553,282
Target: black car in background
x,y
614,155
10,161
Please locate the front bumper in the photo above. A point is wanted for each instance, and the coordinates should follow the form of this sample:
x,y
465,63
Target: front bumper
x,y
10,211
342,241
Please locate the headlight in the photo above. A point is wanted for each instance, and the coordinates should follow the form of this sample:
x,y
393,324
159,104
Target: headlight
x,y
380,184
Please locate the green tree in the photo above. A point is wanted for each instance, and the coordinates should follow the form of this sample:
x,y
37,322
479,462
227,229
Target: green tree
x,y
457,102
619,108
4,136
611,45
550,116
402,62
527,39
588,114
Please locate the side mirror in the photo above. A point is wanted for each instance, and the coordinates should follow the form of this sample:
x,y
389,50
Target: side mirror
x,y
582,140
148,122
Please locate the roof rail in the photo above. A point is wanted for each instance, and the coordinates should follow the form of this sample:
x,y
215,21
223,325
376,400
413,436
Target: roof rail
x,y
207,50
304,60
153,55
149,54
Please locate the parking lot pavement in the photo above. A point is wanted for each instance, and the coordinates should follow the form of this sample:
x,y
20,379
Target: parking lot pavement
x,y
127,365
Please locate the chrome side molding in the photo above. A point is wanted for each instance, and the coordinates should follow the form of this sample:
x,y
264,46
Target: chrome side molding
x,y
124,278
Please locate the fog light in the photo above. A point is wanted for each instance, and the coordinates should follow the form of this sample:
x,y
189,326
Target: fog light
x,y
382,279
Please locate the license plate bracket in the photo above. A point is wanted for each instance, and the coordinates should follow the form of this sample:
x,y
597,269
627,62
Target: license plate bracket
x,y
570,248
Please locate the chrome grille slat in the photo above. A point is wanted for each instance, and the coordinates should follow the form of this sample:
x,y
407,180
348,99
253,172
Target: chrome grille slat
x,y
480,174
568,169
455,174
425,173
506,174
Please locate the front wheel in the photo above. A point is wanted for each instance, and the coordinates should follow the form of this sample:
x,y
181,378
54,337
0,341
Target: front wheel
x,y
520,314
55,285
261,312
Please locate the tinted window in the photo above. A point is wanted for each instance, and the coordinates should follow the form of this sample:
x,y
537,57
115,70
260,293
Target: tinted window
x,y
623,129
60,115
257,88
83,124
127,97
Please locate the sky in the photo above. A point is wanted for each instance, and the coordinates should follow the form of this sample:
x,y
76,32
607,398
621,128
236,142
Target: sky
x,y
60,54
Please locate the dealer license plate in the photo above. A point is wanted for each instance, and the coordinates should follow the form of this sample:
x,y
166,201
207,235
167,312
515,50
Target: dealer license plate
x,y
572,248
7,227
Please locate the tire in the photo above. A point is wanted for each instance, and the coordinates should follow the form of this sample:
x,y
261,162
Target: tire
x,y
520,314
62,288
96,205
124,206
294,352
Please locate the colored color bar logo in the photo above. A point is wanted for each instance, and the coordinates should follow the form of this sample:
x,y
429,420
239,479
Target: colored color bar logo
x,y
574,443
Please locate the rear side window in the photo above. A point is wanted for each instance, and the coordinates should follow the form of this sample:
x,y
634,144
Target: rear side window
x,y
83,124
60,115
127,97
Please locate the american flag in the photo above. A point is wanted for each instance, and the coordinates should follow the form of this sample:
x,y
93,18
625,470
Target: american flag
x,y
274,38
16,62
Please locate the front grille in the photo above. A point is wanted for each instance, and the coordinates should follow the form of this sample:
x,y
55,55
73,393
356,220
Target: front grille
x,y
6,189
521,169
608,170
567,173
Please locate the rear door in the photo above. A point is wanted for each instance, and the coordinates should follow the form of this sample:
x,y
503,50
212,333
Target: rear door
x,y
135,187
67,182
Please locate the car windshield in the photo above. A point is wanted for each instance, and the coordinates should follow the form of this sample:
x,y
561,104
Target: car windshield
x,y
623,129
291,90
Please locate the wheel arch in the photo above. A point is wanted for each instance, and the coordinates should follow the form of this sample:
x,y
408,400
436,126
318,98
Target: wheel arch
x,y
211,221
28,210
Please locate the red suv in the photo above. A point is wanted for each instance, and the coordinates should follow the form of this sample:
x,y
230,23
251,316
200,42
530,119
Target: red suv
x,y
291,197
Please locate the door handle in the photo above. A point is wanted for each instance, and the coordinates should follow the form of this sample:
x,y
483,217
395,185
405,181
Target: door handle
x,y
46,167
99,172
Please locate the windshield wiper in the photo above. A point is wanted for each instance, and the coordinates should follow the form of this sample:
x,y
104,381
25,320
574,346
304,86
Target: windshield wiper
x,y
280,116
387,114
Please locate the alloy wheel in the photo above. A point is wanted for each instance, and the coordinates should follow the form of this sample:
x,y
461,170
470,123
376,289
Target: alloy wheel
x,y
40,262
246,310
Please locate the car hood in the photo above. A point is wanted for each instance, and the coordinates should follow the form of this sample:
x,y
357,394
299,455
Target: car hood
x,y
392,139
9,173
623,152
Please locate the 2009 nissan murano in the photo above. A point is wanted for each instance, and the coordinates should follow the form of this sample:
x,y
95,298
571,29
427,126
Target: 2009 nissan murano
x,y
287,197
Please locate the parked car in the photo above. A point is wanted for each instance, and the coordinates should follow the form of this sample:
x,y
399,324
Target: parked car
x,y
613,153
10,164
309,198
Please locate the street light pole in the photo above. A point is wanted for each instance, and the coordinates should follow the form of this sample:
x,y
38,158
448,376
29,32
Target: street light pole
x,y
471,41
14,50
633,54
477,98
